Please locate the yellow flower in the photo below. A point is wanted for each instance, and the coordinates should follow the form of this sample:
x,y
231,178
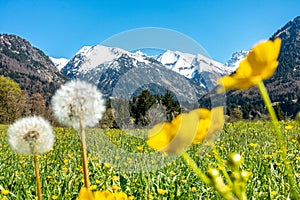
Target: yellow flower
x,y
101,195
115,187
120,196
194,189
260,64
185,129
289,127
54,197
4,192
85,194
161,191
93,187
274,192
107,165
140,148
253,144
64,168
115,178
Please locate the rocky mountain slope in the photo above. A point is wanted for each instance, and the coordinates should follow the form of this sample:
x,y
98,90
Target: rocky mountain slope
x,y
28,66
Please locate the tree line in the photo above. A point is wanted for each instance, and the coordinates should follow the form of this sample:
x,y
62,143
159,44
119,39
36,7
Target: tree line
x,y
16,103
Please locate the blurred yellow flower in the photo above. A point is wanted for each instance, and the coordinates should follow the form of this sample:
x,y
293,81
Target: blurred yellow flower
x,y
120,196
274,192
54,197
161,191
115,178
103,195
185,129
140,148
194,189
253,144
4,192
115,187
86,194
64,168
289,127
93,187
260,64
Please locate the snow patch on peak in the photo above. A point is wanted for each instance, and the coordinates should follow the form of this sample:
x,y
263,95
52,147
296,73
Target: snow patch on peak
x,y
178,62
236,58
99,54
59,62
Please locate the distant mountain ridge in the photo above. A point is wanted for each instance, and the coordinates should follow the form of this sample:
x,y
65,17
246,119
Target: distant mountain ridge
x,y
28,66
106,65
184,73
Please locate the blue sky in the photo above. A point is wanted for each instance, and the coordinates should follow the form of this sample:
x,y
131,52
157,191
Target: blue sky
x,y
60,28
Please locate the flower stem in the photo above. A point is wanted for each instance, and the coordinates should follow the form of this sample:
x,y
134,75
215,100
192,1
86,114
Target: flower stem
x,y
218,158
37,177
191,163
84,156
279,137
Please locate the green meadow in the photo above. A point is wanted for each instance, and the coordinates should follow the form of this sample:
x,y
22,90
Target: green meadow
x,y
62,177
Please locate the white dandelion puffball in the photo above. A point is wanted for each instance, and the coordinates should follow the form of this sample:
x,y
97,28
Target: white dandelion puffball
x,y
31,135
78,100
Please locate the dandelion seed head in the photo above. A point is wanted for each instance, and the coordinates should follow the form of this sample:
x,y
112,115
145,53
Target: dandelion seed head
x,y
31,135
77,100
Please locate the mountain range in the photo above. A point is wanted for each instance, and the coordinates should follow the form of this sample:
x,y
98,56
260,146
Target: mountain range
x,y
106,66
120,73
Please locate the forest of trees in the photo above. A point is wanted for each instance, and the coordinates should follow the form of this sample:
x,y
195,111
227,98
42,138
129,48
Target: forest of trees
x,y
144,109
16,103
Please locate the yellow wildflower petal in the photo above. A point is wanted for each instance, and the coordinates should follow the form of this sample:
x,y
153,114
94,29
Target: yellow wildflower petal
x,y
120,196
100,195
260,64
185,129
160,136
85,194
93,187
217,120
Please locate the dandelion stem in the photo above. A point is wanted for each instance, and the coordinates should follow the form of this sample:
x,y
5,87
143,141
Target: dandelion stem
x,y
279,136
84,155
37,177
191,163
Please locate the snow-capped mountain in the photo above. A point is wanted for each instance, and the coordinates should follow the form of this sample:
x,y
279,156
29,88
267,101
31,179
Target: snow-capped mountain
x,y
90,57
236,58
199,68
106,66
59,62
178,62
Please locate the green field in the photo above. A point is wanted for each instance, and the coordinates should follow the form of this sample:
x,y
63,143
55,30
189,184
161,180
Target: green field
x,y
62,177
